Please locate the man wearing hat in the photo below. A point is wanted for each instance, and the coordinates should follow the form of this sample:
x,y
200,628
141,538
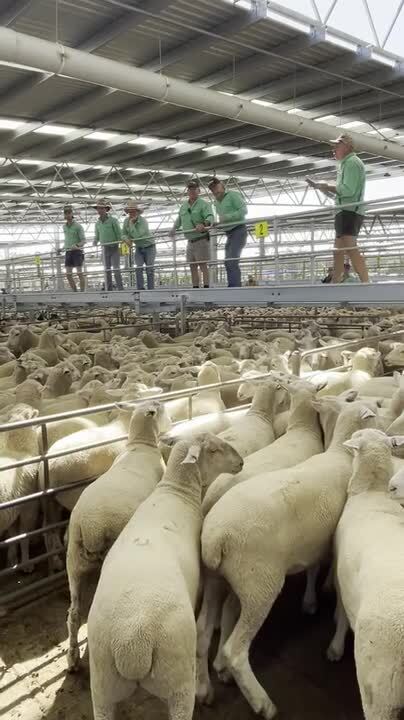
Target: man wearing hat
x,y
232,211
108,234
194,219
349,190
74,242
136,230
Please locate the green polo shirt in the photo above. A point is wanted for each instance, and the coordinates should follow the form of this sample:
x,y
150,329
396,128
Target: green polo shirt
x,y
108,232
138,231
351,181
74,235
199,212
231,209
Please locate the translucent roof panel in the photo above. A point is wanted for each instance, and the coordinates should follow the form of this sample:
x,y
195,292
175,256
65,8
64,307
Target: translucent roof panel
x,y
378,23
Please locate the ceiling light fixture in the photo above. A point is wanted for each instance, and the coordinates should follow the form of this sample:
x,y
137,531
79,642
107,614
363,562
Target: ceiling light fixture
x,y
100,135
143,140
10,124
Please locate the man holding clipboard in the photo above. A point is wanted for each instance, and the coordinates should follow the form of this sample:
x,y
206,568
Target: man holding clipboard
x,y
194,219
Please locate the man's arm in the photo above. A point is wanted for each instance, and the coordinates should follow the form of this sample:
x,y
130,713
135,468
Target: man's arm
x,y
239,210
117,229
322,186
97,234
82,237
176,226
208,218
351,180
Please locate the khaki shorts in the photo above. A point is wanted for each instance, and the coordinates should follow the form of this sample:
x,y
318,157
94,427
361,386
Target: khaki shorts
x,y
198,251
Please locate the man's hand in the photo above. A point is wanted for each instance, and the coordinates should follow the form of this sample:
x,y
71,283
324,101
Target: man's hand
x,y
312,183
95,243
171,234
200,227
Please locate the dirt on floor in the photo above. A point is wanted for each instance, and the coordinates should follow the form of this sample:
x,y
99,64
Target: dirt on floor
x,y
288,658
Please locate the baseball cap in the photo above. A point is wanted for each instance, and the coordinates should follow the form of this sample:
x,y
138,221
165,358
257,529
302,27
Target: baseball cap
x,y
193,184
344,138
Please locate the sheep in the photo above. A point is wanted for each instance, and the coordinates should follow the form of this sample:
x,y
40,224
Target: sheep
x,y
59,381
303,439
364,364
29,392
96,373
395,357
81,362
16,445
106,505
141,625
254,430
369,578
20,339
6,356
277,532
7,369
206,401
49,348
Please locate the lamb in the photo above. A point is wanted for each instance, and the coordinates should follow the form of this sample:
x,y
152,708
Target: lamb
x,y
276,531
20,339
49,348
206,401
302,440
29,393
96,373
369,577
59,381
395,357
6,356
255,430
141,626
16,445
106,505
364,365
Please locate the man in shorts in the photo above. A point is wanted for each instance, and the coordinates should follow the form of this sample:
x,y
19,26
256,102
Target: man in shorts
x,y
74,243
349,190
194,219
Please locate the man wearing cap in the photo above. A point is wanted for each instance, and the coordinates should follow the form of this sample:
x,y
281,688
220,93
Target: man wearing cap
x,y
349,190
231,210
74,243
194,219
108,234
136,230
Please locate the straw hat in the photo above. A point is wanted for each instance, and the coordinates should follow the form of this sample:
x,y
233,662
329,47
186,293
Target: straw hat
x,y
103,202
343,139
132,204
68,208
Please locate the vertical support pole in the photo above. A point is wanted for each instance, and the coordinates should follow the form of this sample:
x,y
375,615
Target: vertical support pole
x,y
213,257
312,259
174,244
156,321
276,249
296,363
59,276
261,263
7,264
183,314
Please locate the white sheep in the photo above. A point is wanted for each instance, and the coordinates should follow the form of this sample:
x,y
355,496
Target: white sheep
x,y
273,525
369,576
59,381
206,401
364,366
16,445
141,626
106,505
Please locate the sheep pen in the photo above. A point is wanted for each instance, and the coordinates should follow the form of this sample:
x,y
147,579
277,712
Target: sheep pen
x,y
126,369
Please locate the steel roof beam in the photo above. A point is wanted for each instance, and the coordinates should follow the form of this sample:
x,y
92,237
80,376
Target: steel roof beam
x,y
13,9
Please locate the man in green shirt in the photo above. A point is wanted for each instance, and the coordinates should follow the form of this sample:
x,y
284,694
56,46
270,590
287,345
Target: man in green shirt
x,y
136,230
194,219
108,234
74,242
349,190
231,210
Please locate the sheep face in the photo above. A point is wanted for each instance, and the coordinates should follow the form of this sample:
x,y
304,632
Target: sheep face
x,y
396,486
214,457
395,357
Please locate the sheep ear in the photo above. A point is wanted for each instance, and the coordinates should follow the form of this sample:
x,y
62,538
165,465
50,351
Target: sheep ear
x,y
321,384
349,395
367,413
397,378
192,455
379,402
353,444
396,441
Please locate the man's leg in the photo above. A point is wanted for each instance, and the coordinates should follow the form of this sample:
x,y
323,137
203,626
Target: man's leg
x,y
150,256
82,279
139,260
116,264
339,254
205,274
235,244
194,274
357,260
70,278
107,265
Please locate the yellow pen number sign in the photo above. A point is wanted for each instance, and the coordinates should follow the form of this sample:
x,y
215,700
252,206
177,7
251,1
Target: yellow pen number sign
x,y
38,260
261,229
124,249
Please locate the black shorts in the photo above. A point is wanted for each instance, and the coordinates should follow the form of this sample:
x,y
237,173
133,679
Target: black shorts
x,y
348,223
74,258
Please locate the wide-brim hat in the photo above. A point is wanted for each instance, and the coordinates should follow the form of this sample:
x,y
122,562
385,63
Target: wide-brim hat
x,y
193,184
344,139
103,202
68,208
132,204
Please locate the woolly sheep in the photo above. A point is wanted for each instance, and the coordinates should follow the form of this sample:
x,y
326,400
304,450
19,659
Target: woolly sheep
x,y
59,381
20,339
15,445
277,533
206,401
106,505
369,577
141,626
364,365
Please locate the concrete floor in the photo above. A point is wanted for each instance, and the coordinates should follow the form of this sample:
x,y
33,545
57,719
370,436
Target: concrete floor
x,y
288,658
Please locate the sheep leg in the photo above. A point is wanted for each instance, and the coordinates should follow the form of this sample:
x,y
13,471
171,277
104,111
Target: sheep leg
x,y
255,607
181,706
212,598
73,618
230,613
103,711
309,605
53,514
336,648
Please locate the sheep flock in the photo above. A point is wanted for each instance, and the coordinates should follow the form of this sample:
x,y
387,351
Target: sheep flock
x,y
191,475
